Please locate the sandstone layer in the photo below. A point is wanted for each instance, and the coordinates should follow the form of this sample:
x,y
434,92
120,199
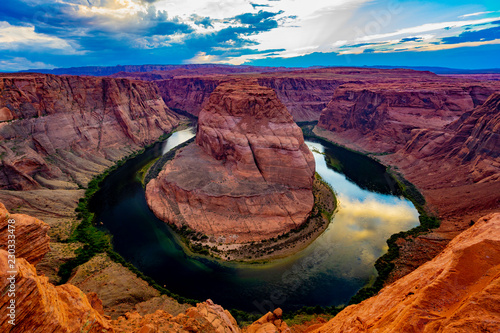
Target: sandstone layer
x,y
430,131
307,92
249,175
458,291
43,307
206,317
65,129
39,305
382,117
26,234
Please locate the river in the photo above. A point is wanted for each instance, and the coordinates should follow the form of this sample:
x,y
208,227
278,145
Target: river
x,y
328,272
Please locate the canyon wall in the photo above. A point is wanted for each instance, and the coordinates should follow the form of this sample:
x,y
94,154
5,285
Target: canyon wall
x,y
59,131
382,117
458,291
441,135
248,176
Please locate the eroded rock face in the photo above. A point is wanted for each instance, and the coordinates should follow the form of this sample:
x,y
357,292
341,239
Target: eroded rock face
x,y
458,291
271,322
248,177
29,235
381,117
66,129
43,307
206,317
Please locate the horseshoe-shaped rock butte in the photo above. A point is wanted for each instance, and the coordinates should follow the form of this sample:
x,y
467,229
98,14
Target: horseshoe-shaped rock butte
x,y
248,176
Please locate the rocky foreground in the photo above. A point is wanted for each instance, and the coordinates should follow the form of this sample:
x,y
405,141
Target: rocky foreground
x,y
458,291
249,175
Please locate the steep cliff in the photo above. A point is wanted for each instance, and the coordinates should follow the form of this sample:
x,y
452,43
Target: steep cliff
x,y
248,177
380,117
458,291
65,129
188,94
38,305
26,235
463,159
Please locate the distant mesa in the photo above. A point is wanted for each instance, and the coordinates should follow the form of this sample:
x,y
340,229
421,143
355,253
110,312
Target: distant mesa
x,y
248,176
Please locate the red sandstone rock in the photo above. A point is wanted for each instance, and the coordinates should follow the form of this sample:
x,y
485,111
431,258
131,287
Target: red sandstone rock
x,y
30,235
382,116
458,291
43,307
66,129
206,317
249,175
272,322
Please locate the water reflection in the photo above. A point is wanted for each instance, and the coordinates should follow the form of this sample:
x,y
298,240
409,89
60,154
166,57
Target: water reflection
x,y
177,138
328,272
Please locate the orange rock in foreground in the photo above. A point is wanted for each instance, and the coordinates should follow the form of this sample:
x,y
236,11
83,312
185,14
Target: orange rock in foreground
x,y
248,177
31,240
458,291
43,307
206,317
271,322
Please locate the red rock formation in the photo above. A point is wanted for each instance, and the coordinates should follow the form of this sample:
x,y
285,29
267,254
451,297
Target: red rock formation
x,y
463,159
458,291
206,317
249,175
381,117
26,233
188,94
270,322
304,97
66,129
43,307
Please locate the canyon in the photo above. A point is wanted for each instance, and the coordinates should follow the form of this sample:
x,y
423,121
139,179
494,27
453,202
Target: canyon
x,y
440,133
248,176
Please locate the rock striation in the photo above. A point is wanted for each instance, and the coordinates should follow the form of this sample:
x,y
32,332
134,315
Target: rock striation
x,y
249,175
39,305
29,235
206,317
65,129
383,117
458,291
43,307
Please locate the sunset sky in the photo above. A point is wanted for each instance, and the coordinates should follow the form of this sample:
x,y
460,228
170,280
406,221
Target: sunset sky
x,y
66,33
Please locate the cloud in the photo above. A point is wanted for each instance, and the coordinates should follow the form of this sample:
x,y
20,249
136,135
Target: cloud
x,y
474,36
256,19
205,22
411,39
20,63
425,28
24,37
475,14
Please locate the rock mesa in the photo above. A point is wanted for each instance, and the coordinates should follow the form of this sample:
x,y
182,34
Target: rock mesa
x,y
249,175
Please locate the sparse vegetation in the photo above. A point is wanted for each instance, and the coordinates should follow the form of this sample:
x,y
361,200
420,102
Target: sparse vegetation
x,y
97,241
385,264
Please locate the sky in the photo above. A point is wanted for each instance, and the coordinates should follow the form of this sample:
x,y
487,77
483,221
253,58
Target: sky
x,y
70,33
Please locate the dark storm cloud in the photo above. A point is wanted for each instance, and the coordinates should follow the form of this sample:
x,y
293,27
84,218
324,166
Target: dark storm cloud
x,y
474,36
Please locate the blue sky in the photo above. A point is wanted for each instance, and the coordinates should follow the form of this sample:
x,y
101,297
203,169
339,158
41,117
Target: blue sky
x,y
65,33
